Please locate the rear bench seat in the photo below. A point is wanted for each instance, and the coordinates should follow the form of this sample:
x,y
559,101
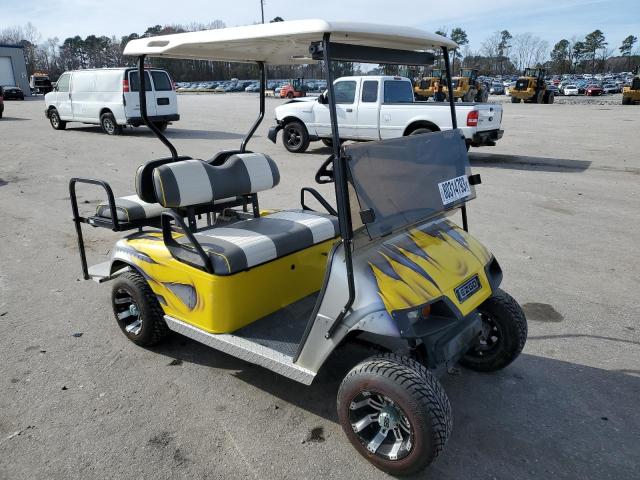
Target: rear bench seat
x,y
244,244
144,207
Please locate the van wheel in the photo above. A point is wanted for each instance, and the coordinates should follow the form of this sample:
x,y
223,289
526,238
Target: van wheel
x,y
54,119
395,413
137,310
109,124
162,126
295,137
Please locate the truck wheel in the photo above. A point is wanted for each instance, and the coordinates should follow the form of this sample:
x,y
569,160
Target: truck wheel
x,y
504,333
626,100
54,119
109,124
515,99
295,137
420,131
137,310
395,413
162,126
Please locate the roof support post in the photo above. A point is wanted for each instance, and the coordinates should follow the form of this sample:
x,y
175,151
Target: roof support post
x,y
254,127
143,109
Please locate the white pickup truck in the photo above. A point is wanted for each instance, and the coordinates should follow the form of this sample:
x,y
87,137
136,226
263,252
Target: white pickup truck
x,y
380,107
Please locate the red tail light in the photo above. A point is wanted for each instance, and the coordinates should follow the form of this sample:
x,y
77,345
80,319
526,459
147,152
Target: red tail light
x,y
472,119
125,86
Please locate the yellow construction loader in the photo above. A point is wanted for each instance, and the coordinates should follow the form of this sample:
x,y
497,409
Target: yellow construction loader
x,y
531,87
468,88
631,93
426,87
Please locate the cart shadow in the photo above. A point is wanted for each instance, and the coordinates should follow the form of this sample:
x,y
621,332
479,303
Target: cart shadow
x,y
171,133
538,418
13,119
523,162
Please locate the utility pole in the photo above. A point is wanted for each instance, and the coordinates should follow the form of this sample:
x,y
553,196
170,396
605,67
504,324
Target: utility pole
x,y
262,9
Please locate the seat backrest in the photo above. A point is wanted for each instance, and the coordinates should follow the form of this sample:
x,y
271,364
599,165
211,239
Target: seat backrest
x,y
194,182
144,178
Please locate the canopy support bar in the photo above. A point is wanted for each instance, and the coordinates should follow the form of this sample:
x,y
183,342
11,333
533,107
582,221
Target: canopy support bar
x,y
256,124
340,179
454,122
143,109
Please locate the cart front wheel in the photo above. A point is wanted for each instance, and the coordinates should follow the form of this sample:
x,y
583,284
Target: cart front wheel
x,y
137,310
504,333
395,413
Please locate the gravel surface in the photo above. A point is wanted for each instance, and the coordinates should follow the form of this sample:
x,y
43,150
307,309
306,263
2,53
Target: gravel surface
x,y
558,207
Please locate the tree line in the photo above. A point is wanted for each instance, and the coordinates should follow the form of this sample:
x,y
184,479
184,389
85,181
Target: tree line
x,y
501,53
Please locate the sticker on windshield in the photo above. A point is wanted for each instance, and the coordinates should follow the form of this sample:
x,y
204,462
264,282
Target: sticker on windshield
x,y
454,189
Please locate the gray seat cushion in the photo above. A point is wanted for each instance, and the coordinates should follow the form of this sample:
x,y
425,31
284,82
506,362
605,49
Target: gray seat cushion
x,y
130,209
245,244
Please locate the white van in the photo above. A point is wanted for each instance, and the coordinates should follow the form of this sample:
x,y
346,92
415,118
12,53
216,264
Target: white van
x,y
109,97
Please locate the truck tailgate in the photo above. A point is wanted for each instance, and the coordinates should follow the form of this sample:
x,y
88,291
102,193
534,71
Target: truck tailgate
x,y
489,116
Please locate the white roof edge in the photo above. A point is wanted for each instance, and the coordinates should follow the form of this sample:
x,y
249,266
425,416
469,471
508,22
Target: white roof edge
x,y
282,42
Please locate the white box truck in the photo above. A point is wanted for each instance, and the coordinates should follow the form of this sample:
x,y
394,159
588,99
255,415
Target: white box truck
x,y
109,97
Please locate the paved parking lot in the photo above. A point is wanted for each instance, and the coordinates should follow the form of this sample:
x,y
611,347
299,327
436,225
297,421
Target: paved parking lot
x,y
558,207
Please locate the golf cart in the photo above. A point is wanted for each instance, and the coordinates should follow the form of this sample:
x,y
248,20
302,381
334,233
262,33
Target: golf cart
x,y
387,266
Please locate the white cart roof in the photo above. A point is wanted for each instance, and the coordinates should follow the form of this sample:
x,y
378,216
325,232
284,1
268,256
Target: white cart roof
x,y
282,42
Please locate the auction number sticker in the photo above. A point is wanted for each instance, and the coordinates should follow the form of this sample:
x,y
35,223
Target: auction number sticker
x,y
454,189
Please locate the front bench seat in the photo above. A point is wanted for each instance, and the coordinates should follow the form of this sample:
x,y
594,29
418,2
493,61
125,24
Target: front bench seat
x,y
248,243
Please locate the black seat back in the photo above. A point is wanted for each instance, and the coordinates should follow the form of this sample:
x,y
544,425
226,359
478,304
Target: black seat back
x,y
144,178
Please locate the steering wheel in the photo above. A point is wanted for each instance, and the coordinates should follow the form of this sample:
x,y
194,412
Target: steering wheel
x,y
324,173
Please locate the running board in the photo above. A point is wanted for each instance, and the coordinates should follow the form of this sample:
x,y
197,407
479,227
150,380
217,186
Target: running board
x,y
244,349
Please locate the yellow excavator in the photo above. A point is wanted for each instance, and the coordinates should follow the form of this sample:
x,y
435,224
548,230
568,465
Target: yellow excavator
x,y
531,87
631,94
426,87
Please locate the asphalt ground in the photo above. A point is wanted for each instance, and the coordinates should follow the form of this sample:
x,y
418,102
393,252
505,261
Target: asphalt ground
x,y
558,207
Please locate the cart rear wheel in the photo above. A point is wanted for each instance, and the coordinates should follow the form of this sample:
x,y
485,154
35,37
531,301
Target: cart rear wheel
x,y
504,333
54,119
395,413
295,137
137,310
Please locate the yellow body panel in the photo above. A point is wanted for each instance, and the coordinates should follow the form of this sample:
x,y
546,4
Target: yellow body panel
x,y
430,264
527,94
634,95
223,304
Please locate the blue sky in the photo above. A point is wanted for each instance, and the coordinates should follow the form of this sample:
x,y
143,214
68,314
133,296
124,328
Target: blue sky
x,y
548,19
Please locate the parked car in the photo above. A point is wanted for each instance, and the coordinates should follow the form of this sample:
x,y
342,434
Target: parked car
x,y
496,89
593,90
570,90
611,88
12,93
109,97
378,108
552,88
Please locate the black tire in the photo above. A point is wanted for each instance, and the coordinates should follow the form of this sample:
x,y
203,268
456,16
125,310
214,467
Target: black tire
x,y
421,130
410,397
129,289
328,142
550,98
54,119
289,95
626,100
109,124
162,126
539,97
515,99
504,334
295,137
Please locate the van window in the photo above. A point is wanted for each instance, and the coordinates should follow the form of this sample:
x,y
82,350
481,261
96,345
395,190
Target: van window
x,y
369,91
134,83
345,91
396,91
161,81
63,83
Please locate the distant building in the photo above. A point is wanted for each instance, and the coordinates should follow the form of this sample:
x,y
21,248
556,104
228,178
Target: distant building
x,y
13,69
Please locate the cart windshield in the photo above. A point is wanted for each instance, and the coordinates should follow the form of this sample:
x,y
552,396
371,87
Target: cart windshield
x,y
407,180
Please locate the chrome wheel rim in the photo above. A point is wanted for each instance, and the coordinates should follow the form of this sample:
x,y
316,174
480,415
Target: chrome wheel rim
x,y
381,425
108,125
294,138
127,312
